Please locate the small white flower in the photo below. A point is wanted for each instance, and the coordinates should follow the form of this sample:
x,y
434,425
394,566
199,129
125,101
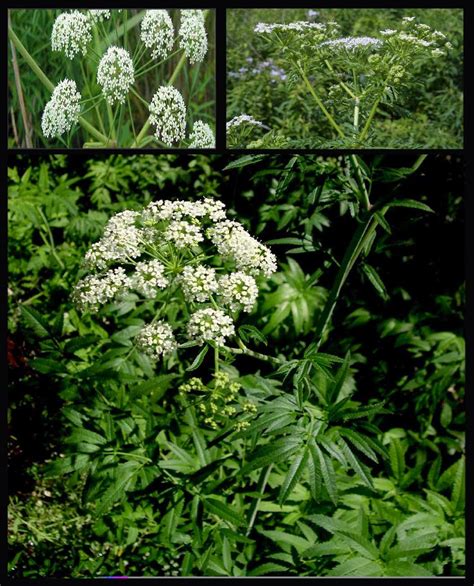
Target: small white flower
x,y
238,291
157,32
210,325
148,277
122,241
156,340
193,36
95,290
352,43
71,33
168,115
249,255
202,136
98,15
183,234
198,283
388,32
243,119
63,109
115,74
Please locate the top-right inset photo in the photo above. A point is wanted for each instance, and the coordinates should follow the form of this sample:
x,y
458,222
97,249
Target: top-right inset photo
x,y
345,78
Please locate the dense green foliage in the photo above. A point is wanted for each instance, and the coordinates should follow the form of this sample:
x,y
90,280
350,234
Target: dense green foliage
x,y
423,109
121,125
351,459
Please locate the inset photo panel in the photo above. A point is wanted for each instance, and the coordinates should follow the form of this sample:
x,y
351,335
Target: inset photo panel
x,y
345,78
123,78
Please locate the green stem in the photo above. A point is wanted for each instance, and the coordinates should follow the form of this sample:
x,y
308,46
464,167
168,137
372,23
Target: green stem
x,y
320,103
359,239
262,483
49,85
243,350
368,122
345,87
356,116
146,126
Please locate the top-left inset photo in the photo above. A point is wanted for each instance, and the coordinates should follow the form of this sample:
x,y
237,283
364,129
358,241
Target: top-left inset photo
x,y
111,78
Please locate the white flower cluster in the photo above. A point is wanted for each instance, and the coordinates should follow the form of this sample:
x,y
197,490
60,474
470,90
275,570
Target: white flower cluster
x,y
156,340
418,36
202,136
298,26
71,33
352,43
183,234
192,35
210,325
157,32
243,118
239,291
168,115
189,249
115,74
95,290
148,277
250,255
121,241
96,16
198,283
62,110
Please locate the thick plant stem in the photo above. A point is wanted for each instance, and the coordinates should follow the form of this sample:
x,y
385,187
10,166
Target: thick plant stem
x,y
356,116
344,86
243,350
50,86
318,101
368,122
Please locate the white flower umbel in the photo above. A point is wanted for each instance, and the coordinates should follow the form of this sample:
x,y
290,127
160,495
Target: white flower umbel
x,y
63,109
121,241
202,136
168,115
210,325
192,35
353,43
157,33
183,234
238,291
249,255
198,283
156,340
95,290
115,74
182,255
149,277
71,33
243,119
98,15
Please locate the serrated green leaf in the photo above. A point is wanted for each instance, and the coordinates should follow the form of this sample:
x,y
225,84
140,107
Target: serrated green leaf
x,y
35,321
223,511
360,442
375,279
275,453
409,203
359,468
123,475
327,470
293,475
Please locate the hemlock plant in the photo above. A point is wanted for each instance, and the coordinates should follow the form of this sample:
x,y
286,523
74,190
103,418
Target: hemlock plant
x,y
79,35
346,78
